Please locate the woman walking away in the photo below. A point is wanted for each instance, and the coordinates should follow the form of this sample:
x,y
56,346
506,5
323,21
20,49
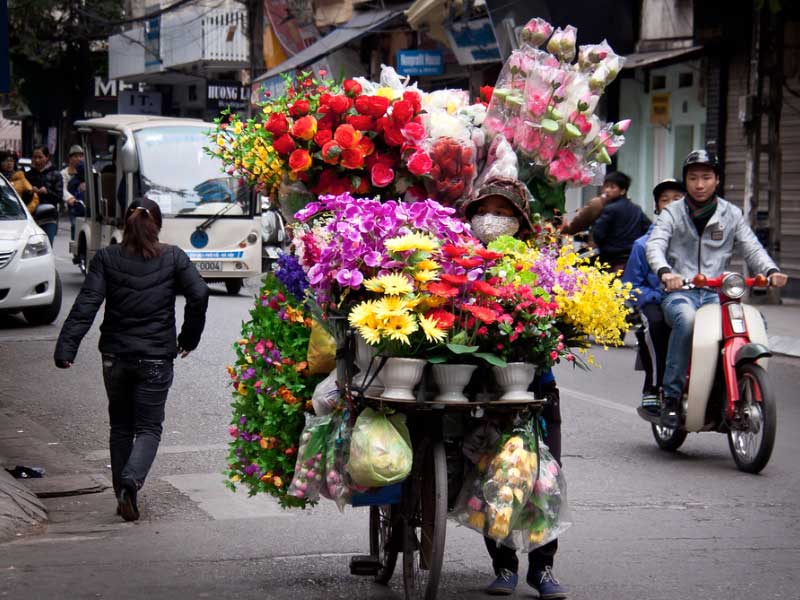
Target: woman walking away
x,y
139,281
48,184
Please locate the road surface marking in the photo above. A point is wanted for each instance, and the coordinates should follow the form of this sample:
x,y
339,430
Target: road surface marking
x,y
618,406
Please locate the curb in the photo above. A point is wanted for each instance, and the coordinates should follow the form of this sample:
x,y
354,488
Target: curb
x,y
21,511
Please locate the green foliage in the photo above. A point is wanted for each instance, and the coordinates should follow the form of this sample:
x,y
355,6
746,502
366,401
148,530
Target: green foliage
x,y
271,394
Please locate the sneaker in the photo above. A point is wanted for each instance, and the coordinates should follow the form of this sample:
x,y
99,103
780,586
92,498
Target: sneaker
x,y
651,402
127,501
670,413
544,582
504,585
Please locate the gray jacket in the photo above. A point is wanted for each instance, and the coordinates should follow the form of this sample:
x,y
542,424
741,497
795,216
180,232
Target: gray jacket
x,y
675,245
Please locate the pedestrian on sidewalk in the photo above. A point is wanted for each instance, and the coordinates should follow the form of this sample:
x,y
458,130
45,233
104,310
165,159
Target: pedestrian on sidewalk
x,y
139,280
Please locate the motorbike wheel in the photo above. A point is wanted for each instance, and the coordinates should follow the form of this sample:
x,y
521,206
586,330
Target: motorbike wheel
x,y
668,439
751,447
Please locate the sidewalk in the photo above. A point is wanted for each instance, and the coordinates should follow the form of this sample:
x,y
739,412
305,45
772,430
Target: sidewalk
x,y
23,442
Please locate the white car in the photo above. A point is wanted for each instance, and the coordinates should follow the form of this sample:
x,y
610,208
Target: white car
x,y
28,279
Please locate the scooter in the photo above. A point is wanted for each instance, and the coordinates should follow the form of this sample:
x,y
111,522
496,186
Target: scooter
x,y
728,389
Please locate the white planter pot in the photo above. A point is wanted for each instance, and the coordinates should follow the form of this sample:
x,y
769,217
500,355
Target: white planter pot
x,y
400,375
364,356
452,379
514,380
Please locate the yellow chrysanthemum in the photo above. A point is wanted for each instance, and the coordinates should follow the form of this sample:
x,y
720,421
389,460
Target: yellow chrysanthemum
x,y
390,306
399,327
371,334
425,275
428,265
386,92
432,302
373,284
393,284
412,241
431,331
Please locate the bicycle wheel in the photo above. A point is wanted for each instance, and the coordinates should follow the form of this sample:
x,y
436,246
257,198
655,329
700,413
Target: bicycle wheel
x,y
425,522
381,521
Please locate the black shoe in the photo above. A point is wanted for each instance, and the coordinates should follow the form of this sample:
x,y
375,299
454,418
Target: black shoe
x,y
670,413
127,507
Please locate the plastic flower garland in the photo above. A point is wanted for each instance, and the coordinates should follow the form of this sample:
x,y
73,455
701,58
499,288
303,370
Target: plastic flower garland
x,y
271,394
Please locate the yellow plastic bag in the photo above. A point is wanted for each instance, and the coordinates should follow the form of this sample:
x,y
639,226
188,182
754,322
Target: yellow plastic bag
x,y
321,351
380,449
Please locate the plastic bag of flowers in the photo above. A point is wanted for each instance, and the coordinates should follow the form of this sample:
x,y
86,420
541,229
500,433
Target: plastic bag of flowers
x,y
338,485
545,516
310,466
494,496
380,449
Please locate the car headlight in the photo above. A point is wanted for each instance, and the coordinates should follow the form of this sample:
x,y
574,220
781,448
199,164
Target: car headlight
x,y
38,245
733,285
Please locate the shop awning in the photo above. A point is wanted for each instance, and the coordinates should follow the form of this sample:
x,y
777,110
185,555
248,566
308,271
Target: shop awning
x,y
361,24
658,57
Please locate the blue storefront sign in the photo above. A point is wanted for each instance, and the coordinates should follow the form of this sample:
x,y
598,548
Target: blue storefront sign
x,y
474,42
420,62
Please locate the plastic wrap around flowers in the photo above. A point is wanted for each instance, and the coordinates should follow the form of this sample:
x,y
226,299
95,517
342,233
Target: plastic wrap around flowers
x,y
341,240
543,105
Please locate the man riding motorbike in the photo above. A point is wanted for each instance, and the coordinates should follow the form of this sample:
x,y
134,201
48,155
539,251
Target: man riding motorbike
x,y
697,235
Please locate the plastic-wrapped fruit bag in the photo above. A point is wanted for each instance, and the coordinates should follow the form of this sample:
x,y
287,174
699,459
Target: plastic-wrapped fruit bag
x,y
380,449
310,465
545,516
337,485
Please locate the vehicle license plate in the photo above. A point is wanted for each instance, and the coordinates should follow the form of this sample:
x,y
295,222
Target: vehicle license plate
x,y
208,265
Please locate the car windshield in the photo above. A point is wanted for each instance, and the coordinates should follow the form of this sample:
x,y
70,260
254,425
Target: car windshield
x,y
177,173
11,208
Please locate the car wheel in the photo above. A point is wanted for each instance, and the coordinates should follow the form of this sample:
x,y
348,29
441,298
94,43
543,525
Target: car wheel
x,y
233,286
44,315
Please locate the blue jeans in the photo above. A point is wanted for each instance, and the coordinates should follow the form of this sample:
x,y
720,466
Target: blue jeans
x,y
680,309
50,229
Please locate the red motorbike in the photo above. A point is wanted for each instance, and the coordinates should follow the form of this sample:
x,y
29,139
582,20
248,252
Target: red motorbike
x,y
727,389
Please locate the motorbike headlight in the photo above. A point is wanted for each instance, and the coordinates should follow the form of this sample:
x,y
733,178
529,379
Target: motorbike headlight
x,y
38,245
733,285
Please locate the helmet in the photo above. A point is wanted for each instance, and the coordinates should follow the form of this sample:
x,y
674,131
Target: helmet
x,y
667,184
513,190
700,157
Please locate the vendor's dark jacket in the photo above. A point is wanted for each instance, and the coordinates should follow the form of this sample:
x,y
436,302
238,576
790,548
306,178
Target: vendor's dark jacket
x,y
619,225
140,294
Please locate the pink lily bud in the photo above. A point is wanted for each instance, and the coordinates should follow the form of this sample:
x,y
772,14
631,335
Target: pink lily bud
x,y
622,126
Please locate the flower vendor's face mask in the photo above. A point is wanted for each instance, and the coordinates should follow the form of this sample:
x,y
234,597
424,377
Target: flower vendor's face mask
x,y
488,228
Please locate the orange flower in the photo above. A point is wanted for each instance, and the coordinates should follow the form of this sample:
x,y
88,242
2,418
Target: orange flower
x,y
484,288
331,152
299,161
366,145
277,481
352,158
442,289
305,128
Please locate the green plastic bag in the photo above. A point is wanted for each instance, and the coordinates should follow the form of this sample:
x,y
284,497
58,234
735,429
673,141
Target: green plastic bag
x,y
380,449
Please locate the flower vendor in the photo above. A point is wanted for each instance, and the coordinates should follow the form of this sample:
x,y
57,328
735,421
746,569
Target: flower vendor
x,y
500,207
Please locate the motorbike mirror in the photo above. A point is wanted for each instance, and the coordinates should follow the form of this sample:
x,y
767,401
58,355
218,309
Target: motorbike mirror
x,y
700,280
761,281
128,157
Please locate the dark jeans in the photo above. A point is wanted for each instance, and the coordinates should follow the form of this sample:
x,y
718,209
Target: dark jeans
x,y
653,340
137,393
504,557
50,229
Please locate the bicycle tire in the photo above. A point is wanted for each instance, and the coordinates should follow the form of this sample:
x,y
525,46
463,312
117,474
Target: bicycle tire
x,y
380,533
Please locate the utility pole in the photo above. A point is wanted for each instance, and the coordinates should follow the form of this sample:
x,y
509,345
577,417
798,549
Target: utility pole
x,y
255,34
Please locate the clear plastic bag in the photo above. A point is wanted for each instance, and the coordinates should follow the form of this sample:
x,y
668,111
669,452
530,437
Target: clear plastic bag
x,y
326,395
310,465
501,161
546,516
337,486
321,356
453,171
380,449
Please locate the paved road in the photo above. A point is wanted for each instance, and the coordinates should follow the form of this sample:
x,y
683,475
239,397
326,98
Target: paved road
x,y
647,525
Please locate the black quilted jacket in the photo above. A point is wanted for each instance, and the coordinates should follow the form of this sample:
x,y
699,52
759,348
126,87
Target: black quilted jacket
x,y
140,305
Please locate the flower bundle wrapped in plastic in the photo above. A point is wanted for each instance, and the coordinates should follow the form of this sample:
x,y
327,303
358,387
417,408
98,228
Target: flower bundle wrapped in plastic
x,y
311,459
544,106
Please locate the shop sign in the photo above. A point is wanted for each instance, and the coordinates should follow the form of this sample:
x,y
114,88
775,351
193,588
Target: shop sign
x,y
474,42
420,62
659,109
226,94
152,41
131,102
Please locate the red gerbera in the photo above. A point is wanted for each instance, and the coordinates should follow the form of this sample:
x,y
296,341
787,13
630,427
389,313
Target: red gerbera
x,y
454,279
452,250
488,254
469,263
442,289
484,288
487,315
444,319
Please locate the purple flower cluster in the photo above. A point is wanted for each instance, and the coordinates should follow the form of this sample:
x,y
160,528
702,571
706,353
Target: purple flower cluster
x,y
549,275
291,275
353,236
